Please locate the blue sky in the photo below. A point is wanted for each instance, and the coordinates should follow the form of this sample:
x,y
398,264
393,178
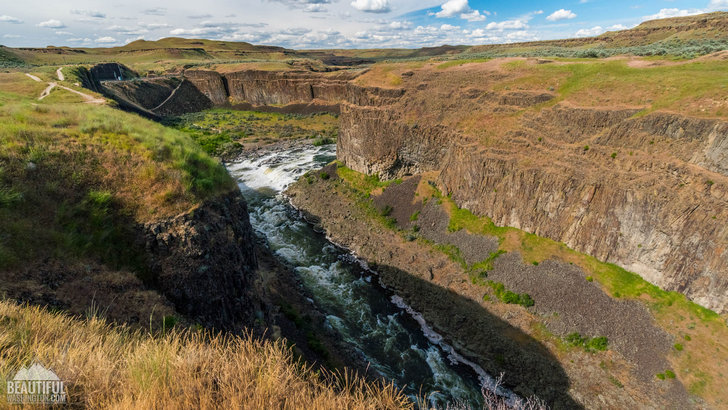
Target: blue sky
x,y
327,23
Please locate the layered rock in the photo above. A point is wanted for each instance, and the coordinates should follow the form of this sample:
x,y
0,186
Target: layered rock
x,y
649,193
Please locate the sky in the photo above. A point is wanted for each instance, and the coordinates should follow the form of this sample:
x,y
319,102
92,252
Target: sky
x,y
306,24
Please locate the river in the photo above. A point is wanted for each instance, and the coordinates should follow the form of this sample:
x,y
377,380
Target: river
x,y
394,339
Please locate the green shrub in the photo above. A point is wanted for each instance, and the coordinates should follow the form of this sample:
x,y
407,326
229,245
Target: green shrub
x,y
387,210
661,376
9,196
415,216
598,343
168,322
324,175
678,347
510,297
322,141
589,344
575,339
669,374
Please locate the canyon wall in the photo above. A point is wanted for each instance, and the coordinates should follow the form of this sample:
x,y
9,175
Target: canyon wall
x,y
648,193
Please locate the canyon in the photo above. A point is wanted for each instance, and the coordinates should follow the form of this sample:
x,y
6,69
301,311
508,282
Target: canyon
x,y
642,188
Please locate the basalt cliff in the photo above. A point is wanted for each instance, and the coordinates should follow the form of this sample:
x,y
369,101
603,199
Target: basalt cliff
x,y
644,189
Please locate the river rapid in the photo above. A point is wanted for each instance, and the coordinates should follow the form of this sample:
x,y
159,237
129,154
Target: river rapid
x,y
393,338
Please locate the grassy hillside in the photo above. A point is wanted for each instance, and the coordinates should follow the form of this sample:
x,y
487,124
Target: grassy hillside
x,y
680,36
75,178
114,367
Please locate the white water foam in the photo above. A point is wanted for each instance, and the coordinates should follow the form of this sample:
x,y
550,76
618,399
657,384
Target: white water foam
x,y
278,169
486,380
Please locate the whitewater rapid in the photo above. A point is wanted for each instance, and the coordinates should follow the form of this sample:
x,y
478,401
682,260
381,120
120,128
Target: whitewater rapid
x,y
394,338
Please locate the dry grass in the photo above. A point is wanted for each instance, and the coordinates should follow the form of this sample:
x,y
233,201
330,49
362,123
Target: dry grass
x,y
107,367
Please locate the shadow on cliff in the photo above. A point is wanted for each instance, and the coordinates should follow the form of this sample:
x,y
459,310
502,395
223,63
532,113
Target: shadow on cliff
x,y
528,366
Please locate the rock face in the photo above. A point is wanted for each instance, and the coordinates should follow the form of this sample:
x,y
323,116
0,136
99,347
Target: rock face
x,y
197,90
649,193
260,87
204,261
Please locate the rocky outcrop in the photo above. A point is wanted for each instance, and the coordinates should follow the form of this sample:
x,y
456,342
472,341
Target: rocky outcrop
x,y
649,193
392,147
204,261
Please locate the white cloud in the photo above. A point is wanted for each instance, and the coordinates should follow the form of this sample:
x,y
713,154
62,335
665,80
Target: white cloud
x,y
11,36
52,24
63,33
153,26
718,5
507,25
452,8
674,12
617,27
10,19
560,14
315,8
106,40
588,32
473,16
156,11
538,12
89,13
127,30
448,27
372,6
79,40
399,25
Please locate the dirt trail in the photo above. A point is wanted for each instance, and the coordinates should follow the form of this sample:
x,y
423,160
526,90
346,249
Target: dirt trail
x,y
89,99
47,91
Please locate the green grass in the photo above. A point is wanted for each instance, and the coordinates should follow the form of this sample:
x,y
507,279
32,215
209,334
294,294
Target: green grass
x,y
365,184
220,131
459,62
